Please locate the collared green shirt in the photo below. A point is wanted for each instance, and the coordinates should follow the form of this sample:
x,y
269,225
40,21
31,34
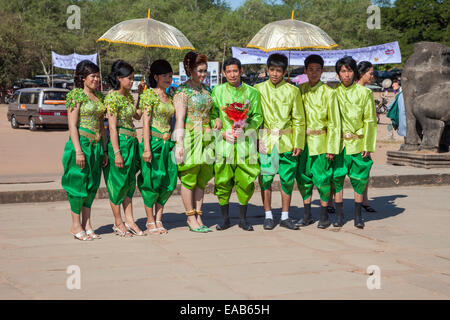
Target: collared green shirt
x,y
282,109
358,116
226,94
322,113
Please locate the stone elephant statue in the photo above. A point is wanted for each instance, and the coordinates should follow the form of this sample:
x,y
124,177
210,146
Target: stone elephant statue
x,y
426,92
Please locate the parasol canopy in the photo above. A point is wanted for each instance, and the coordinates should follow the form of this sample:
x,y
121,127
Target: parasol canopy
x,y
291,34
147,33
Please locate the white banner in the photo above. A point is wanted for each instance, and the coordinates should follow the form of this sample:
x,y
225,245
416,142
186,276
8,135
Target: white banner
x,y
70,61
381,54
211,80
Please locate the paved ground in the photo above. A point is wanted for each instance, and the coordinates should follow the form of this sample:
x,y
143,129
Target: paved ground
x,y
408,239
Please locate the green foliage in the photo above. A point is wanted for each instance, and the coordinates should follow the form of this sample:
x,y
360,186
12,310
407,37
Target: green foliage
x,y
30,29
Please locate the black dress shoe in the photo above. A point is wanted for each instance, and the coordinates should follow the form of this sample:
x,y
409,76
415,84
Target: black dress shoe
x,y
288,223
224,226
359,223
324,220
304,222
339,221
243,224
358,217
269,224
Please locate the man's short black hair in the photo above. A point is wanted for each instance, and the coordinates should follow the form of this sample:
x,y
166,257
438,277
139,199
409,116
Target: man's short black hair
x,y
314,58
277,60
231,61
349,63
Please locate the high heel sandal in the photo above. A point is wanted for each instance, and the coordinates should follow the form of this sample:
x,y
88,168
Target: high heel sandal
x,y
140,233
153,230
199,212
92,234
79,236
121,233
161,229
199,229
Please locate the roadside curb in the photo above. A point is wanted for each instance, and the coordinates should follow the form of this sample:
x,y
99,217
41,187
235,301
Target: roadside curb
x,y
388,181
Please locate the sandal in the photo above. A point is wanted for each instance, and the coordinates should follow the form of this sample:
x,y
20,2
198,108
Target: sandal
x,y
200,229
140,233
206,228
79,236
153,230
368,208
92,234
121,233
161,229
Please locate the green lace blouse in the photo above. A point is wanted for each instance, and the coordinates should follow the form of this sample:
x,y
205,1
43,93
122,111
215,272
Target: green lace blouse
x,y
122,108
91,112
161,112
198,103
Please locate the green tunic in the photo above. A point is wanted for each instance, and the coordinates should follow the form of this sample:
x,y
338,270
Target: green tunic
x,y
157,179
323,135
282,109
236,163
81,185
121,182
197,167
359,124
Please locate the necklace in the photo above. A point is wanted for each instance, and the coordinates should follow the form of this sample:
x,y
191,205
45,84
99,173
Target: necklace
x,y
198,88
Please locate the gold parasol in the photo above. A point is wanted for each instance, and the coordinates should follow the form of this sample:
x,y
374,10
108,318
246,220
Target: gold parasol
x,y
291,34
147,33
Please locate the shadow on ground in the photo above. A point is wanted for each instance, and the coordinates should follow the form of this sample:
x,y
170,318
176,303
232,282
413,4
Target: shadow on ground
x,y
385,207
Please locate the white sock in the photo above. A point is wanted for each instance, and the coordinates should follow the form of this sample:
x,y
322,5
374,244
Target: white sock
x,y
269,214
284,215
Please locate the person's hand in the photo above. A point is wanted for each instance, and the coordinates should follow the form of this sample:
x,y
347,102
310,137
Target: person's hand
x,y
141,87
118,160
147,156
80,160
228,135
179,153
262,147
296,152
330,156
238,132
218,124
365,154
105,160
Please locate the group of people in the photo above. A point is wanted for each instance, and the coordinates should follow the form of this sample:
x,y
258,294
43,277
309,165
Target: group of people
x,y
314,135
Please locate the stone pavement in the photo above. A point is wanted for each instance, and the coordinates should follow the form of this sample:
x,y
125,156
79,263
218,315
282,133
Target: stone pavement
x,y
408,239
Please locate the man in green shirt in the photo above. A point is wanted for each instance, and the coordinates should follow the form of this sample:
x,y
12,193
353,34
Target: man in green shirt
x,y
359,132
282,137
323,138
236,150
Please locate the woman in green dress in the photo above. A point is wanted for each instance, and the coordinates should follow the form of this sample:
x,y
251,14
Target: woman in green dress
x,y
158,176
194,151
120,174
84,152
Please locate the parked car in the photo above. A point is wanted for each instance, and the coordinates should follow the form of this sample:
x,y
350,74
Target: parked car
x,y
38,107
137,80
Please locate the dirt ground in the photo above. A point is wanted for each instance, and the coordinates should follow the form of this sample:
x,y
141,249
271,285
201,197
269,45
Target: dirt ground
x,y
25,154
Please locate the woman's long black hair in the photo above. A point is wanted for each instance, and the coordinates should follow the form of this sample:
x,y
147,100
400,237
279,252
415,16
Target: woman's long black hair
x,y
83,69
158,67
119,69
